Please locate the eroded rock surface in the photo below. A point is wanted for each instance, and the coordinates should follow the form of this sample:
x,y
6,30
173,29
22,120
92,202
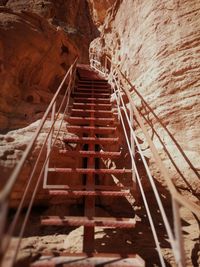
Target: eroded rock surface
x,y
13,144
157,46
99,10
38,42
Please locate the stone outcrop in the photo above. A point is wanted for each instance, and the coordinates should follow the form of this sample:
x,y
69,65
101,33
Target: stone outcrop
x,y
156,45
38,42
13,145
99,10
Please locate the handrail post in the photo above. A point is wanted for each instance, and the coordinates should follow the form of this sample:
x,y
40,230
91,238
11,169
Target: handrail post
x,y
49,145
105,66
180,253
132,143
71,85
3,214
72,80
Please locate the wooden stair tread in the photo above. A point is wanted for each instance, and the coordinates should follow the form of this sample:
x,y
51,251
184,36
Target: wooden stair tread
x,y
94,106
85,221
91,119
96,95
95,171
91,89
92,99
86,129
92,111
95,140
82,153
84,187
89,193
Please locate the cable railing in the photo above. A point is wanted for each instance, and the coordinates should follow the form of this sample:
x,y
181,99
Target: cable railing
x,y
34,180
121,86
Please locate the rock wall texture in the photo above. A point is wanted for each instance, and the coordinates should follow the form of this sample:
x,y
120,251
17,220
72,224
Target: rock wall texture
x,y
38,42
157,46
99,10
13,145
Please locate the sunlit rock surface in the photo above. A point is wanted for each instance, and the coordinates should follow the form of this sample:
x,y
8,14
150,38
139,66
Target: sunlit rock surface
x,y
157,45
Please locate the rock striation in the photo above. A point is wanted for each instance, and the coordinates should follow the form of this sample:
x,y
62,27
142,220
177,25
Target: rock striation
x,y
156,45
98,9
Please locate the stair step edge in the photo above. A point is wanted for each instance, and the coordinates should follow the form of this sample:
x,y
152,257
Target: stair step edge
x,y
85,221
89,193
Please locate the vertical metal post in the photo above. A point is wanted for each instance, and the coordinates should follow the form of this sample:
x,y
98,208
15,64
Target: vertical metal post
x,y
132,143
131,137
71,81
105,66
180,253
49,143
3,214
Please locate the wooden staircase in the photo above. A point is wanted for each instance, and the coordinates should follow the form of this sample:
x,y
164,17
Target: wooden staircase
x,y
93,121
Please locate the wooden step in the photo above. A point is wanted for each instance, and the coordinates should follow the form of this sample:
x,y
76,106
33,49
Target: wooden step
x,y
91,140
89,260
114,188
90,154
90,222
89,193
91,111
96,106
91,99
90,84
88,120
98,82
88,170
89,90
91,94
86,129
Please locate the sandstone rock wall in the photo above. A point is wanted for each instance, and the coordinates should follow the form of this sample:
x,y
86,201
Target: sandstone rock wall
x,y
38,42
99,10
157,46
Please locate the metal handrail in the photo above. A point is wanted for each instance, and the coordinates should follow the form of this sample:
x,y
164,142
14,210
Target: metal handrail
x,y
134,90
5,193
135,169
160,122
115,78
176,195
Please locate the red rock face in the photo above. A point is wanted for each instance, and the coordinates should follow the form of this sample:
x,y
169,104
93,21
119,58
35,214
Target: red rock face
x,y
156,44
99,10
38,42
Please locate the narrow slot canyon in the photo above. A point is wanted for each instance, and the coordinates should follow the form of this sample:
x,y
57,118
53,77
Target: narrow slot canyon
x,y
99,133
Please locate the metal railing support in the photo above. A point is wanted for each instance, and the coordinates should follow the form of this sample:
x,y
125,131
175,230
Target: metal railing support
x,y
49,144
3,215
105,66
132,143
6,234
116,80
180,252
4,194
